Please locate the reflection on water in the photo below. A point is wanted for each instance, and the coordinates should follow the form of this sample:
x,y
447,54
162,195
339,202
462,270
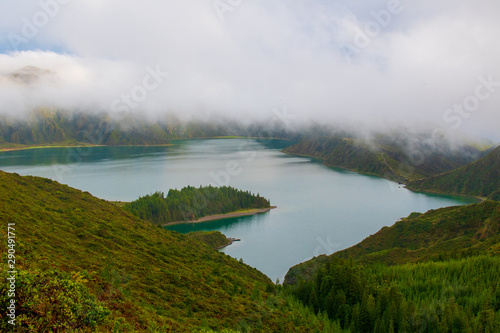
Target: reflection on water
x,y
223,225
50,156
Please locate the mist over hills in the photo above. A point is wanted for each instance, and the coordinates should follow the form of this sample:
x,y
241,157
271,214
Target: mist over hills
x,y
399,154
27,75
42,121
406,90
386,156
52,127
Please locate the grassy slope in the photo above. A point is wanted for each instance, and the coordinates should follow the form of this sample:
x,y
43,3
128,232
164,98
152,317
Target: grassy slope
x,y
385,158
75,250
438,234
480,178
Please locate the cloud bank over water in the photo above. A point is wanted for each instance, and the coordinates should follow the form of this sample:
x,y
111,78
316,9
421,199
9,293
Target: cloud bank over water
x,y
375,63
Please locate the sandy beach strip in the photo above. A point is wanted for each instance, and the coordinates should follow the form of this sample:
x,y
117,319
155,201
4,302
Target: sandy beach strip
x,y
223,216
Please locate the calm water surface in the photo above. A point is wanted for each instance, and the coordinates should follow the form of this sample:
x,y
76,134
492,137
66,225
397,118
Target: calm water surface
x,y
320,210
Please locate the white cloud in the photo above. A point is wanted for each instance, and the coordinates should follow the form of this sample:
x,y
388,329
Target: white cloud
x,y
424,60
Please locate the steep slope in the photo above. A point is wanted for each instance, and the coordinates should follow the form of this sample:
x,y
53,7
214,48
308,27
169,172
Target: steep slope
x,y
85,264
384,157
480,178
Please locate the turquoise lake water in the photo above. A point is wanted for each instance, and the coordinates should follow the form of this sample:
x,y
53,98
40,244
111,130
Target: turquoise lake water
x,y
320,210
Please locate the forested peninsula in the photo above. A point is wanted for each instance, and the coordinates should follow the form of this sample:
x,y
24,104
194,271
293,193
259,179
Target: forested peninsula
x,y
192,204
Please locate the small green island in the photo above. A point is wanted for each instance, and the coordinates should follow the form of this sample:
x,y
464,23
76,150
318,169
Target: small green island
x,y
194,205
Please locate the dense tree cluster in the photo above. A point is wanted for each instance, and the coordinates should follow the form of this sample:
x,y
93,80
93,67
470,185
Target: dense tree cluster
x,y
191,203
451,296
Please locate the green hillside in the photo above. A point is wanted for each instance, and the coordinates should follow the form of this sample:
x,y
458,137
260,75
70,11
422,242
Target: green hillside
x,y
344,153
432,272
480,178
85,264
385,157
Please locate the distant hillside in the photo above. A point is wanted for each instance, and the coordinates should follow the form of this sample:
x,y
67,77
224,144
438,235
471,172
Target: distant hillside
x,y
86,265
432,272
480,178
28,75
48,126
385,157
345,153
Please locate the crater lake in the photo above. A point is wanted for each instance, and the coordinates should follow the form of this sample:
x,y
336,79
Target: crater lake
x,y
320,210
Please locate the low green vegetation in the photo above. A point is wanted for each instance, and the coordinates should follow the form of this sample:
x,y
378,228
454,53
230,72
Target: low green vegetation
x,y
432,272
480,178
214,239
191,203
85,265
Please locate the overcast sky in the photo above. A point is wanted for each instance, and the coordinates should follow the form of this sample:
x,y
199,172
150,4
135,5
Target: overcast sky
x,y
372,62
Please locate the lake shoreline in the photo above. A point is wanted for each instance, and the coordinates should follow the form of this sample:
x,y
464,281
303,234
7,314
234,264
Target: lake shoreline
x,y
222,216
7,149
320,160
16,147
